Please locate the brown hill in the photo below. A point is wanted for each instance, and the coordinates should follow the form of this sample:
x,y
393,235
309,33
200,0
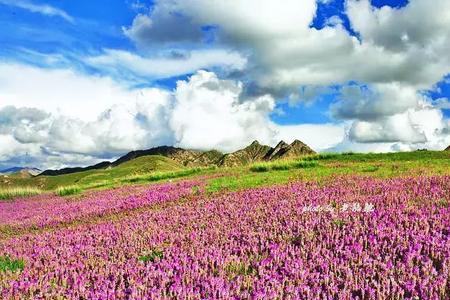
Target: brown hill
x,y
252,153
448,148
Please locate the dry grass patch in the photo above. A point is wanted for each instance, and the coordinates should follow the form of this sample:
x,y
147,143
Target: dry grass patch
x,y
16,192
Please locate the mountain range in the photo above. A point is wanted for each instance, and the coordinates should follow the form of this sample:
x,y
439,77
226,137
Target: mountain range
x,y
194,158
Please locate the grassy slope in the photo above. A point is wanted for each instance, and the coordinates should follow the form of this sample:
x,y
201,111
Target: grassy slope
x,y
154,168
141,165
377,165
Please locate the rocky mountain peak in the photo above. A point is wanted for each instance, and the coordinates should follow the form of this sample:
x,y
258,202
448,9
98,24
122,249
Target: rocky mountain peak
x,y
297,143
300,148
278,151
255,143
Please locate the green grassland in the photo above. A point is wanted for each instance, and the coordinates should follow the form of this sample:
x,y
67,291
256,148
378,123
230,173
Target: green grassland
x,y
328,166
158,168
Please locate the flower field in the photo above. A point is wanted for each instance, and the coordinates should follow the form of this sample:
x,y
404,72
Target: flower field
x,y
348,238
51,210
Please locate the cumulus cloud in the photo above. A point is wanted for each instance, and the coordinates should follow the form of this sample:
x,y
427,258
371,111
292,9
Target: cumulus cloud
x,y
208,112
27,125
398,29
287,53
390,113
376,101
146,31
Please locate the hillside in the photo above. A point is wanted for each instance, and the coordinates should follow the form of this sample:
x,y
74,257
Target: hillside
x,y
140,165
182,157
154,166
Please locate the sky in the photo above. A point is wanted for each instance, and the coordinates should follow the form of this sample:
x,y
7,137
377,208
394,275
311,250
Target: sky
x,y
85,81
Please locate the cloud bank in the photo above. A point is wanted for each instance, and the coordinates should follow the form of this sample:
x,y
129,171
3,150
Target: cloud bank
x,y
202,112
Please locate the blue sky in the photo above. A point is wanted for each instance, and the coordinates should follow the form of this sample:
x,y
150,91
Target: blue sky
x,y
96,24
141,47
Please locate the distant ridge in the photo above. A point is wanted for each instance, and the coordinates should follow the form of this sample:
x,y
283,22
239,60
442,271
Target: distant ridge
x,y
21,171
448,149
193,158
99,166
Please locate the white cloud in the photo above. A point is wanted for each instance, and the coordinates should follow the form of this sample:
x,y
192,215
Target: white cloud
x,y
10,147
27,125
146,31
320,137
62,91
399,29
422,127
286,53
442,103
172,64
208,113
43,9
391,113
376,101
132,126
